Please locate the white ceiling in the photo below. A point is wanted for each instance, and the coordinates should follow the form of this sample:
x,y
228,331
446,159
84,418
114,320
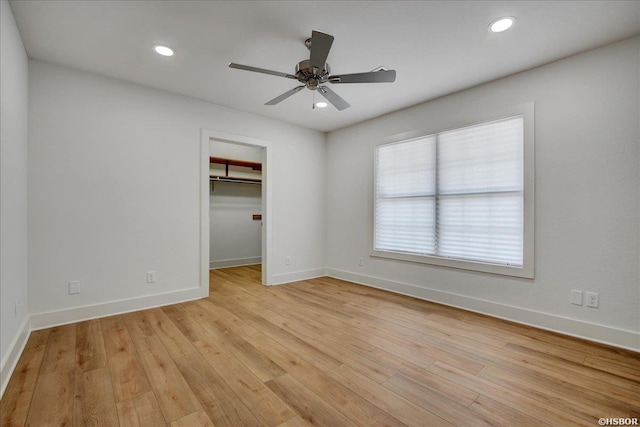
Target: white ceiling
x,y
436,47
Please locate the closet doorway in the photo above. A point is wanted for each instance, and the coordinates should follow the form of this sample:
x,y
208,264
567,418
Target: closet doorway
x,y
235,205
235,220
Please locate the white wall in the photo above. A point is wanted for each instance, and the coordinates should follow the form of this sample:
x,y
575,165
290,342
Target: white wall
x,y
114,192
587,135
235,238
13,193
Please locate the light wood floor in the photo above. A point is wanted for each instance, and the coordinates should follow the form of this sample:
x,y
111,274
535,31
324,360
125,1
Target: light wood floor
x,y
316,352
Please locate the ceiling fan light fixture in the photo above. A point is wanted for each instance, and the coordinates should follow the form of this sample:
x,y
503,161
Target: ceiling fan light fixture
x,y
163,50
502,24
321,104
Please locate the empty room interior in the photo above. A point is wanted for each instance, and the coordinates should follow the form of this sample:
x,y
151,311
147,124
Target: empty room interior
x,y
330,213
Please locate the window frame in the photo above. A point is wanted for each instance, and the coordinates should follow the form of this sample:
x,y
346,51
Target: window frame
x,y
525,110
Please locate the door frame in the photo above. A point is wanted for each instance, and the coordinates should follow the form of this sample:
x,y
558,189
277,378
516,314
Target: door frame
x,y
207,136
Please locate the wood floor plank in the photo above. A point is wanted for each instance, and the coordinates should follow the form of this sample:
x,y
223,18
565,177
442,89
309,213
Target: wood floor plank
x,y
296,421
630,371
94,403
438,324
177,315
172,391
513,356
450,410
313,409
90,351
589,403
344,355
190,319
358,409
140,411
409,370
263,367
221,404
61,349
497,338
415,345
296,314
314,304
613,356
176,344
577,374
509,397
17,397
261,401
127,375
53,399
38,338
551,340
378,348
503,415
197,419
349,403
314,352
137,325
377,303
385,399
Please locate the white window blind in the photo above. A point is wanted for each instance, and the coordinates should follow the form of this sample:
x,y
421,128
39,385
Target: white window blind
x,y
405,196
456,194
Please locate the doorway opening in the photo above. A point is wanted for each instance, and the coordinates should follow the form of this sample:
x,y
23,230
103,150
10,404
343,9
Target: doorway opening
x,y
235,205
235,226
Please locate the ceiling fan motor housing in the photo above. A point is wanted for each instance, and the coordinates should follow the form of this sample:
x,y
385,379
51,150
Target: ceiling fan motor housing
x,y
312,80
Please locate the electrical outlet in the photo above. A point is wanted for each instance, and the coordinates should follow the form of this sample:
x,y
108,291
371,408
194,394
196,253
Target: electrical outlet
x,y
360,261
576,297
151,277
74,287
287,260
592,300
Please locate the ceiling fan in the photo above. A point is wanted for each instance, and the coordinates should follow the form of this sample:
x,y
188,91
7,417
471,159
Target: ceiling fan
x,y
314,73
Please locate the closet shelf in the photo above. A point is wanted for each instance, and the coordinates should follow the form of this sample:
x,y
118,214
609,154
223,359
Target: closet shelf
x,y
237,163
241,163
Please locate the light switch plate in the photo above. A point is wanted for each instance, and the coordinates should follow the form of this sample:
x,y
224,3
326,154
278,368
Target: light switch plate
x,y
74,287
576,297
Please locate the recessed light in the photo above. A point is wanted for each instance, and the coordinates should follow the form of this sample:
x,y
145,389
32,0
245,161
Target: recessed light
x,y
501,24
163,50
321,104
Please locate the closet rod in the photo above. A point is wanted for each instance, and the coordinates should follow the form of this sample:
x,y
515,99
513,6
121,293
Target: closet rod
x,y
238,180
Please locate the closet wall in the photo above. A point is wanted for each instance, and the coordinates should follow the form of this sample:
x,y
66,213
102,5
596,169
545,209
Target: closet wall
x,y
235,237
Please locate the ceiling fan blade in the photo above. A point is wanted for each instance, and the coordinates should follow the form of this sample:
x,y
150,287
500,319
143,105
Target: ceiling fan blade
x,y
382,76
320,46
260,70
284,96
333,98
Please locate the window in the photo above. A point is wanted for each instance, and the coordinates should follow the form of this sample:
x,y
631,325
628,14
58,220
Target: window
x,y
457,198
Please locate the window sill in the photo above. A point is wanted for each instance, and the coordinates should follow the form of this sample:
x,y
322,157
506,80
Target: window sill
x,y
525,272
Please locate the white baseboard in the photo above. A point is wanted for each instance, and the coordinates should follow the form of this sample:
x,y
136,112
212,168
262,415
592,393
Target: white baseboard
x,y
629,340
213,265
282,278
78,314
13,355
